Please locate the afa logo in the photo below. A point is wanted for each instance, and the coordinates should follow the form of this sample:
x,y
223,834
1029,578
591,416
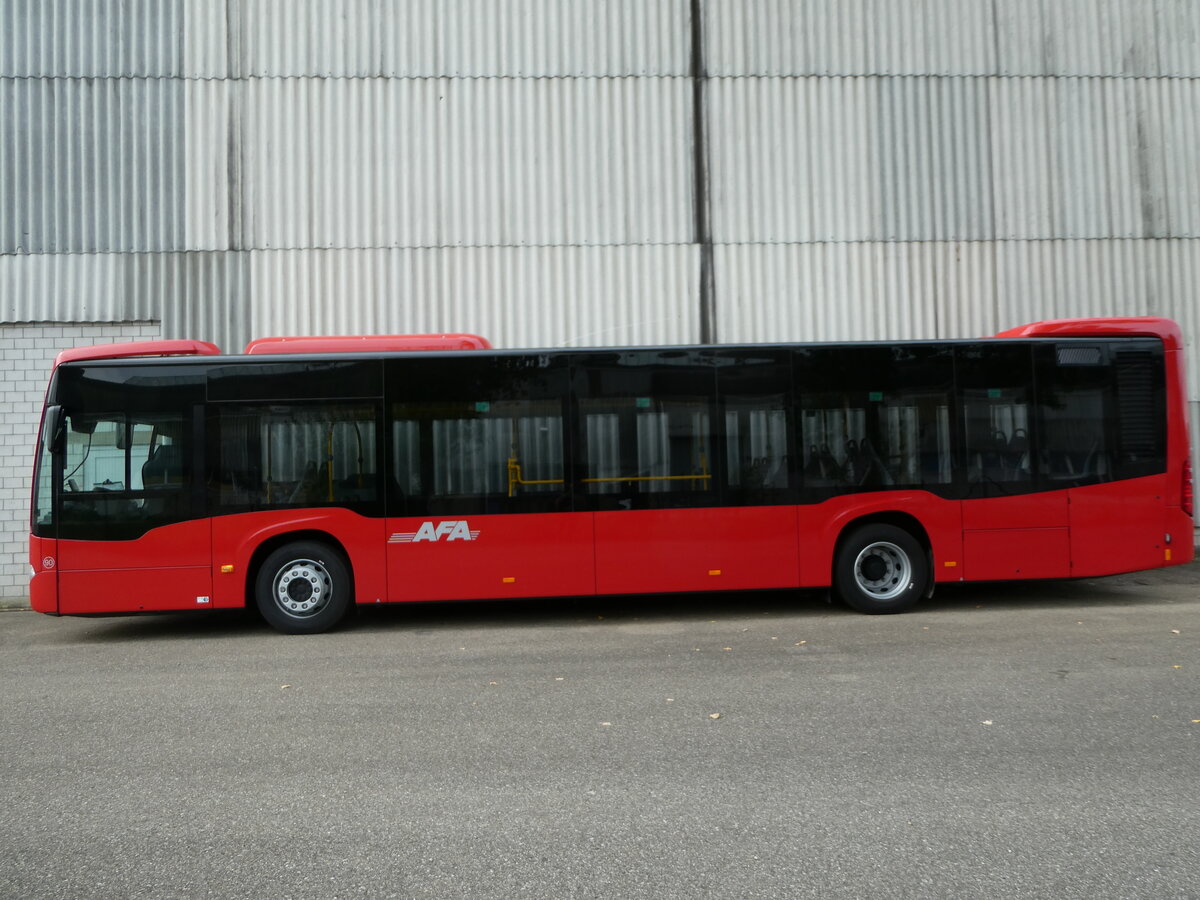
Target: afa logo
x,y
448,529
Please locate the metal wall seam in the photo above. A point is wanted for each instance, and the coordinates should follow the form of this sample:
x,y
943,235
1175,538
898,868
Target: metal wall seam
x,y
515,296
466,162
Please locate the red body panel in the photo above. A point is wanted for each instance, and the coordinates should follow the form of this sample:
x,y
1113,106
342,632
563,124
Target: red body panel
x,y
236,537
1046,510
1118,527
996,555
43,586
1016,537
134,590
542,555
696,549
166,568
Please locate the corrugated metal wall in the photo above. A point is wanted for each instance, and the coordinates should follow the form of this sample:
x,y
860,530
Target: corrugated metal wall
x,y
528,168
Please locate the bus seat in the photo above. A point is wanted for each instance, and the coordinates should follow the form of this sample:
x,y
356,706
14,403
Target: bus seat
x,y
164,466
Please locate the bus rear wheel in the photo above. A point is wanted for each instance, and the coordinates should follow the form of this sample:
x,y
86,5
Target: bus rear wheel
x,y
880,569
303,588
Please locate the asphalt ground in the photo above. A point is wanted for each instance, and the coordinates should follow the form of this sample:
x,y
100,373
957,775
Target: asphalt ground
x,y
1019,740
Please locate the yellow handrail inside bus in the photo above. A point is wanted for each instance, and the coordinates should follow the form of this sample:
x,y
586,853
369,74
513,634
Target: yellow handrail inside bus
x,y
515,480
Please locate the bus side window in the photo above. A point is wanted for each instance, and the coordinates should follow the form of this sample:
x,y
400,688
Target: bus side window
x,y
995,385
648,430
1076,400
294,455
477,435
754,388
875,418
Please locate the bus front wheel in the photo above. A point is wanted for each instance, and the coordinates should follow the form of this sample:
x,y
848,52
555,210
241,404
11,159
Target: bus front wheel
x,y
880,569
303,588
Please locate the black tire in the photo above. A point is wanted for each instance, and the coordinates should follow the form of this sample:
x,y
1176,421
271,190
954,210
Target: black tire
x,y
303,588
880,569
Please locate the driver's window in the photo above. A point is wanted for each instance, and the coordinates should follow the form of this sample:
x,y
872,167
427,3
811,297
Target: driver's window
x,y
122,473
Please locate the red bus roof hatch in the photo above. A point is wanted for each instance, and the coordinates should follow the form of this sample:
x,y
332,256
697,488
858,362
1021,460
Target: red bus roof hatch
x,y
1142,326
367,343
134,349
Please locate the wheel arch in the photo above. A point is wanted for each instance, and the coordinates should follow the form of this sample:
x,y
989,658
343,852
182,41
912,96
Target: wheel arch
x,y
896,518
275,541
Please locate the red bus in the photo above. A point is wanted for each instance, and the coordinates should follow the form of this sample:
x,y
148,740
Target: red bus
x,y
355,471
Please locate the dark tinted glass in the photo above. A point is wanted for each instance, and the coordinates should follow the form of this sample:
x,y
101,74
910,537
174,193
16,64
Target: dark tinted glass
x,y
875,417
265,456
757,417
471,435
1077,414
995,382
1103,411
647,438
298,380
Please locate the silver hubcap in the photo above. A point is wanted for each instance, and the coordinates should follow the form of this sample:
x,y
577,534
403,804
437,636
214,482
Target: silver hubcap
x,y
303,588
882,570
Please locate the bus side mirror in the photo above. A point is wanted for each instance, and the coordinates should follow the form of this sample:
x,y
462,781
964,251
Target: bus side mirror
x,y
56,432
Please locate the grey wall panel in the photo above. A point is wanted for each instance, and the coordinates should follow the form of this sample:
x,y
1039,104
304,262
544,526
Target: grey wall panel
x,y
1118,38
855,291
1083,37
92,38
463,38
206,297
516,297
466,162
91,165
850,37
953,159
1173,112
1094,157
850,159
1178,24
342,38
105,287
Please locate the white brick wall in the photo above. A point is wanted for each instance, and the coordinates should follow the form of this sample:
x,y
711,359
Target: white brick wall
x,y
26,353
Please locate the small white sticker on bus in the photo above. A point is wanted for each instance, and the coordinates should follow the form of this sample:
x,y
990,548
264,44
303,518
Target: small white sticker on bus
x,y
429,531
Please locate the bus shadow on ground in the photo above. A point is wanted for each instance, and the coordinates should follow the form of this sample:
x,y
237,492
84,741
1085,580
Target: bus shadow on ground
x,y
1116,591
